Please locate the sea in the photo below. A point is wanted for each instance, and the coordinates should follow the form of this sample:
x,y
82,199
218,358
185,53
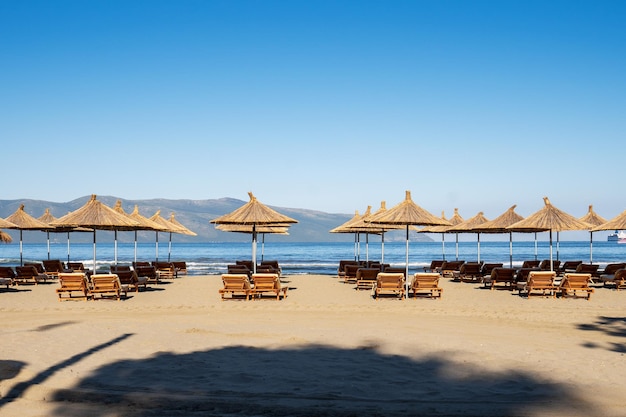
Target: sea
x,y
311,258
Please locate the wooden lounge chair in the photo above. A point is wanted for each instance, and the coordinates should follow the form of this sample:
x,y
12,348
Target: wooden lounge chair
x,y
54,267
71,283
7,274
341,268
545,265
569,266
503,277
521,278
350,273
617,280
76,266
180,267
591,269
450,268
530,264
541,282
389,283
488,268
366,278
272,264
165,270
426,283
268,283
235,284
131,280
435,266
469,272
238,269
611,269
149,272
107,286
573,283
395,270
137,264
27,274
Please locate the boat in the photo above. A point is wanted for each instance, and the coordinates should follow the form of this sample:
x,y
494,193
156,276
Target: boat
x,y
619,237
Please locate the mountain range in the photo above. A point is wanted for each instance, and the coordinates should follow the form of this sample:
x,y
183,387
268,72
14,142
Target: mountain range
x,y
312,226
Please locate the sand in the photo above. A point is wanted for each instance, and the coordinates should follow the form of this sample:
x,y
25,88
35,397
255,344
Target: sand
x,y
326,350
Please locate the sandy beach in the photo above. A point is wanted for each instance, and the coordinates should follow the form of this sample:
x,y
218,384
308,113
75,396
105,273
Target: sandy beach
x,y
177,349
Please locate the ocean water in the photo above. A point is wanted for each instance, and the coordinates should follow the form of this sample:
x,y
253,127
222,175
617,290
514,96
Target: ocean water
x,y
317,258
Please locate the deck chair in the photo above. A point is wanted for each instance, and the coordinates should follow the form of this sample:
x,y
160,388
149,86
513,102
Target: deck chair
x,y
488,268
469,272
389,283
590,269
268,283
6,276
450,268
273,264
141,263
165,270
350,272
235,284
426,283
149,272
130,279
341,268
435,266
180,267
569,266
71,283
501,277
366,278
54,267
238,269
530,264
573,283
545,265
27,274
107,286
541,282
611,269
618,280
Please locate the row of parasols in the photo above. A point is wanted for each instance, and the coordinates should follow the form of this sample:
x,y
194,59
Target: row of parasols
x,y
93,216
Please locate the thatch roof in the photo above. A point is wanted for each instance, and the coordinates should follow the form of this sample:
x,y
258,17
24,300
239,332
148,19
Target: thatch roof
x,y
253,212
592,217
166,225
454,220
5,237
246,228
616,223
470,225
5,224
408,213
549,218
96,215
500,223
25,221
143,222
185,231
345,227
47,217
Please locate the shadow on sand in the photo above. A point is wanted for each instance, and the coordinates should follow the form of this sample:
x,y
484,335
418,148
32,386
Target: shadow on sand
x,y
312,381
611,326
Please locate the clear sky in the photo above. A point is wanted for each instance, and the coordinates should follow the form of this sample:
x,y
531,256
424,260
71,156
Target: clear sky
x,y
324,105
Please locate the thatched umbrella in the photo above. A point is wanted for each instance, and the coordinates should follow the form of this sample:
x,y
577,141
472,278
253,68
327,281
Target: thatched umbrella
x,y
254,213
48,218
146,223
97,216
549,219
263,230
143,223
362,225
593,219
454,220
167,227
5,237
616,223
471,225
25,221
183,230
407,214
500,224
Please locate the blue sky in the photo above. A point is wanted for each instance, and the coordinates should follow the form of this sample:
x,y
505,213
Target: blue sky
x,y
324,105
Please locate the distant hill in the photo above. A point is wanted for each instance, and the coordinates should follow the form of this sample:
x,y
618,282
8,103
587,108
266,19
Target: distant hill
x,y
312,226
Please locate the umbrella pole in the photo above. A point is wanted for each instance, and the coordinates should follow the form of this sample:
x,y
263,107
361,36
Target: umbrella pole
x,y
21,256
382,248
68,246
478,247
135,245
557,245
590,247
406,276
355,254
169,248
157,247
254,248
367,247
94,251
358,246
48,242
551,266
115,247
457,246
535,246
443,245
262,246
510,249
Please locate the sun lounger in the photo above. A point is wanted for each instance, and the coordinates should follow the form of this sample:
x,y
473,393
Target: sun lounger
x,y
350,273
541,282
54,267
389,283
569,266
469,272
149,272
426,283
71,283
501,277
235,284
530,264
272,264
450,268
574,283
107,286
7,274
590,269
238,269
545,265
130,279
165,270
341,268
366,278
180,267
27,274
617,280
268,283
435,266
488,268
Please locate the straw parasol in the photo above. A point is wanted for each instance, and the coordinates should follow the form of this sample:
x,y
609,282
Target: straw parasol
x,y
254,213
549,219
183,231
48,218
143,223
616,223
407,213
593,219
345,228
500,224
24,221
167,227
5,237
471,226
97,216
454,220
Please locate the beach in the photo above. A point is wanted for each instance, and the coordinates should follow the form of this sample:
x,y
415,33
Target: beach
x,y
327,349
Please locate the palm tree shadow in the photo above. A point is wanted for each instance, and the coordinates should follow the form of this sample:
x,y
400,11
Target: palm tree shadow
x,y
610,326
314,381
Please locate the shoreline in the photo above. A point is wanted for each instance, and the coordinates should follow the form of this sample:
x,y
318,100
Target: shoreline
x,y
326,349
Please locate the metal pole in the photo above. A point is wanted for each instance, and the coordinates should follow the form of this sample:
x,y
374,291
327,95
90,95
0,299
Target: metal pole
x,y
406,276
